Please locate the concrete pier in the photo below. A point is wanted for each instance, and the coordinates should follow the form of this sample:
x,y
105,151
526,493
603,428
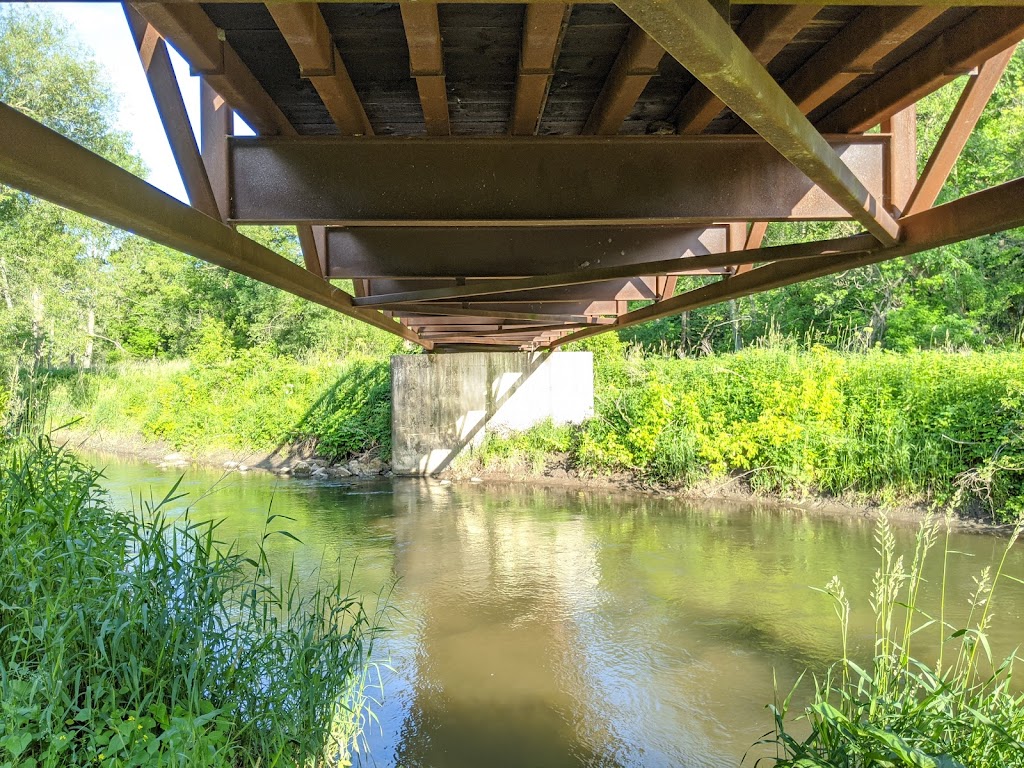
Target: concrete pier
x,y
445,404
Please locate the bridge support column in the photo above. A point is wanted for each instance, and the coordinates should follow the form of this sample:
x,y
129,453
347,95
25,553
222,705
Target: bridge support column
x,y
444,404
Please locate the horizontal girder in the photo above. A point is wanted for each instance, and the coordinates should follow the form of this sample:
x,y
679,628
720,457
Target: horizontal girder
x,y
674,179
632,289
507,251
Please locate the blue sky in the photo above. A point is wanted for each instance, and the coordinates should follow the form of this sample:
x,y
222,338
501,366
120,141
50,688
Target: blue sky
x,y
101,27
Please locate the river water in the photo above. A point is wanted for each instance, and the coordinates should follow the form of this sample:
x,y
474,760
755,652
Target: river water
x,y
534,626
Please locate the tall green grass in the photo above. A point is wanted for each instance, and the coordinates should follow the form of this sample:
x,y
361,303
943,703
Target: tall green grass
x,y
134,640
934,696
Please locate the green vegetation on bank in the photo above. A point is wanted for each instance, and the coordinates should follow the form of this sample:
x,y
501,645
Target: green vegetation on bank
x,y
252,402
933,695
934,426
134,640
925,426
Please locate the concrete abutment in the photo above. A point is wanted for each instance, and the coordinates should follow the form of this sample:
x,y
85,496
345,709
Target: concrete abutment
x,y
444,404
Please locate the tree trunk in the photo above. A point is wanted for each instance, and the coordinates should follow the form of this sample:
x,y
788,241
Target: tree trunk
x,y
737,340
90,330
684,333
38,315
5,286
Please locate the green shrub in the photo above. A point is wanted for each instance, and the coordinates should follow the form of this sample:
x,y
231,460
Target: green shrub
x,y
126,640
927,426
253,401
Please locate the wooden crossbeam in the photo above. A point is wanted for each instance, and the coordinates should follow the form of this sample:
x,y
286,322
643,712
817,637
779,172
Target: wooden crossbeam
x,y
306,33
551,181
187,27
156,63
543,29
858,47
858,3
983,213
600,274
637,62
766,31
43,163
426,64
984,34
700,40
965,116
225,76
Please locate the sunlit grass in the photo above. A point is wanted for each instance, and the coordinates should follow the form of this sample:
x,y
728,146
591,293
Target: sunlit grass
x,y
934,696
129,640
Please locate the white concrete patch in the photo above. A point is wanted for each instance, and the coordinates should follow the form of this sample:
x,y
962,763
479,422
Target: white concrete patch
x,y
443,404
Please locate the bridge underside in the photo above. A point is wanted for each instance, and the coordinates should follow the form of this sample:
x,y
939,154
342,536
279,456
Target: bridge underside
x,y
515,175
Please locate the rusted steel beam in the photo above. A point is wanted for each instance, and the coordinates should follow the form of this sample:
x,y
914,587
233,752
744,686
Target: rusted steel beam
x,y
41,162
600,274
313,241
700,40
854,51
937,3
439,311
984,34
462,324
902,159
320,62
426,64
638,61
487,341
580,180
623,289
965,116
506,251
992,210
497,330
765,32
156,63
187,27
470,310
543,29
755,236
216,123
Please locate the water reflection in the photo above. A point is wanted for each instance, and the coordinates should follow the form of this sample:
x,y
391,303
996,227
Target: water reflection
x,y
554,627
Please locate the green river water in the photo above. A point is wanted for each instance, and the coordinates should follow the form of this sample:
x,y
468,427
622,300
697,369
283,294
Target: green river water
x,y
535,626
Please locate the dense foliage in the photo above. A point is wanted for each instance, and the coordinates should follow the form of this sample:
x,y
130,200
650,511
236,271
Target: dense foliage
x,y
253,401
126,640
917,426
933,695
924,425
